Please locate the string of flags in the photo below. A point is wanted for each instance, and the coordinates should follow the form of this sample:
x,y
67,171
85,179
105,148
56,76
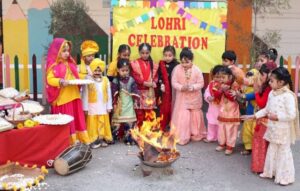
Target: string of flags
x,y
202,24
163,3
172,5
138,20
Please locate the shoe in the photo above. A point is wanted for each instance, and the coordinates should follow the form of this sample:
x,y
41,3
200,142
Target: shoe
x,y
96,144
220,148
205,140
246,152
103,143
228,151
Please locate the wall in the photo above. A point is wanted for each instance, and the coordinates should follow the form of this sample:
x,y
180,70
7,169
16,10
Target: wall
x,y
99,13
289,25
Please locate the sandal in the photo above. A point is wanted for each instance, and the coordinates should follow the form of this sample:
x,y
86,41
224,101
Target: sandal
x,y
246,152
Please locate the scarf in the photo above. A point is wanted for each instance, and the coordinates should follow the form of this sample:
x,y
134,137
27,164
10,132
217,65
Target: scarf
x,y
295,130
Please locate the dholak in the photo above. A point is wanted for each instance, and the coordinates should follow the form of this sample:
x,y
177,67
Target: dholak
x,y
72,159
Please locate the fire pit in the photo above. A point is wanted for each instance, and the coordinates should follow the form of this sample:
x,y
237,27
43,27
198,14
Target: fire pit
x,y
158,149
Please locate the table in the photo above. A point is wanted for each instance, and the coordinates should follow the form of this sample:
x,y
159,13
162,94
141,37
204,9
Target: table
x,y
34,146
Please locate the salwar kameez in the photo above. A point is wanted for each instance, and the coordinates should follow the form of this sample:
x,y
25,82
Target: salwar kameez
x,y
187,122
281,134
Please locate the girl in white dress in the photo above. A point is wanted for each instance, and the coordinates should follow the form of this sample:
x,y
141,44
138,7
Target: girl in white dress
x,y
283,128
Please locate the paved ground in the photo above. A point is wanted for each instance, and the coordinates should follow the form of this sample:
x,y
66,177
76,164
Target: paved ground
x,y
199,168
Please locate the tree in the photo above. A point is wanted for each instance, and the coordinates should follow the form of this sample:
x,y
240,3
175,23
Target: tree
x,y
271,38
68,21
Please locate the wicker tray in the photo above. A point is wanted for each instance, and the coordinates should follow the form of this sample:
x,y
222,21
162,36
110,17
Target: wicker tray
x,y
12,119
14,176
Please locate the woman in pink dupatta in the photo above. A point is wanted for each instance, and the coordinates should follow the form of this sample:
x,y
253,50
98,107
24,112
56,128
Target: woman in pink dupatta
x,y
65,98
187,121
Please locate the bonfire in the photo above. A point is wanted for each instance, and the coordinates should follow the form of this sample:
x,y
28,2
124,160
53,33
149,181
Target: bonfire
x,y
157,147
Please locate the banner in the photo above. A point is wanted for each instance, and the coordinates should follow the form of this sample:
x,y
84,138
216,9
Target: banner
x,y
200,26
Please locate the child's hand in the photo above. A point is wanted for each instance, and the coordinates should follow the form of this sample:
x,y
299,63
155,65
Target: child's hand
x,y
190,88
233,93
247,117
210,98
185,88
162,88
63,82
225,87
154,85
273,116
148,84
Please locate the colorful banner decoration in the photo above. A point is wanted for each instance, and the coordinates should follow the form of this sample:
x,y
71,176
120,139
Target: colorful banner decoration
x,y
198,25
161,3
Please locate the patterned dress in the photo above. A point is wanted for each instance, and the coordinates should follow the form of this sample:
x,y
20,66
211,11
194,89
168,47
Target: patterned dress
x,y
280,134
259,145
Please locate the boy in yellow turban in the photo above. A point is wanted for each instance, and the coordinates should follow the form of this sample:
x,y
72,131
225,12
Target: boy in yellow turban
x,y
99,104
88,50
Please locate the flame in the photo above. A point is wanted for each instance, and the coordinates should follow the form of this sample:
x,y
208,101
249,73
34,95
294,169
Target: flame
x,y
149,101
150,133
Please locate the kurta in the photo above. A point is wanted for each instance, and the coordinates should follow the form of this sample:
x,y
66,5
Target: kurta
x,y
141,72
229,118
124,99
112,70
279,160
187,122
69,102
98,124
249,125
259,145
213,111
165,98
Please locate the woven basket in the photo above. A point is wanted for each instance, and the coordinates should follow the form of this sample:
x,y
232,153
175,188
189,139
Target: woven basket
x,y
14,121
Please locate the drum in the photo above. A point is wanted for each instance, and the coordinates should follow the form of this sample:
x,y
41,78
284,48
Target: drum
x,y
72,159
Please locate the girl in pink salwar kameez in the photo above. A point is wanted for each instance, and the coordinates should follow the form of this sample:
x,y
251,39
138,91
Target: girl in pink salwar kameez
x,y
187,121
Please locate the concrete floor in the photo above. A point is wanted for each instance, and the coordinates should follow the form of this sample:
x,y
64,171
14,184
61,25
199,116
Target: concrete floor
x,y
199,168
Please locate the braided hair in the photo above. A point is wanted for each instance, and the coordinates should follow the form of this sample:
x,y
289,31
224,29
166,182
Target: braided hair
x,y
283,74
120,64
123,48
147,46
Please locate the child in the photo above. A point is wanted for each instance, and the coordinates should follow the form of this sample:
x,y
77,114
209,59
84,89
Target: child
x,y
187,120
283,128
211,96
144,72
65,98
165,70
99,106
248,96
248,126
273,54
125,95
123,53
229,114
259,145
88,50
262,58
229,60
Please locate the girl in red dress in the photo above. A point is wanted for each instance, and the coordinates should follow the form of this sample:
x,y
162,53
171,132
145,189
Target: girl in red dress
x,y
166,67
144,72
259,144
